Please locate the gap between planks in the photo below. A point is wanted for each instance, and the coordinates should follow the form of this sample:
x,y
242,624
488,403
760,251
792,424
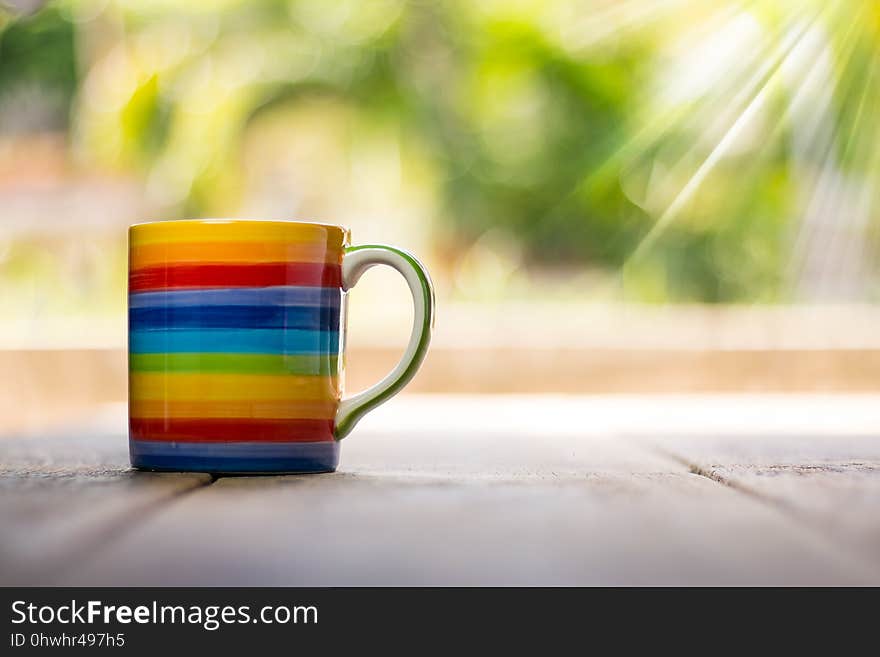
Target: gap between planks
x,y
814,524
111,531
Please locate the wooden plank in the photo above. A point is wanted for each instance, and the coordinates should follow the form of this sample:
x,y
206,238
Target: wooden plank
x,y
830,483
564,370
456,490
441,507
65,496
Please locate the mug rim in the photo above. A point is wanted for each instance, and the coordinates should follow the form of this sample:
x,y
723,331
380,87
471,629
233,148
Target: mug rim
x,y
234,220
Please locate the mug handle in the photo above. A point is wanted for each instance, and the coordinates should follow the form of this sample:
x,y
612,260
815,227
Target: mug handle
x,y
356,261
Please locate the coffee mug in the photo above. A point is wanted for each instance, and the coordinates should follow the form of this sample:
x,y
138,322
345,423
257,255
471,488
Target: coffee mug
x,y
237,343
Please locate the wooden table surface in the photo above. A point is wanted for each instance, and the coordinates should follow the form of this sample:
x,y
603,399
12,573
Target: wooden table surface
x,y
469,490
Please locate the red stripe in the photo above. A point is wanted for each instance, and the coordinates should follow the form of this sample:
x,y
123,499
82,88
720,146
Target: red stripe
x,y
160,277
223,430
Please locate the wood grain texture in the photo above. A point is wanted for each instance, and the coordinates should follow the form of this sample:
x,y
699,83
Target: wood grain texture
x,y
63,497
442,508
474,490
830,483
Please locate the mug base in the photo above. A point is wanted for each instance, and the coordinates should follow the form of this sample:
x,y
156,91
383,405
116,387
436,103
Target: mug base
x,y
245,458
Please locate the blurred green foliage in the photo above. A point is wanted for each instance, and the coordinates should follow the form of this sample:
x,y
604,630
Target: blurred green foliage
x,y
580,146
37,51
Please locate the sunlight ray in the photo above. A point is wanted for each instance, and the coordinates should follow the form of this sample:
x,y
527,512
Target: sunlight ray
x,y
717,153
647,130
720,109
818,267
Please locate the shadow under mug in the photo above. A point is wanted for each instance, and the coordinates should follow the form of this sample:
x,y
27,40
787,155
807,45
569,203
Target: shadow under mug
x,y
236,343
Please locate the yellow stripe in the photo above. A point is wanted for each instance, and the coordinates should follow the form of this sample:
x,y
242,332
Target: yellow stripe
x,y
283,410
175,386
228,230
146,255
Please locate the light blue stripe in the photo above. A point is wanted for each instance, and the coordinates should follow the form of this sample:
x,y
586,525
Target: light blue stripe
x,y
237,341
288,295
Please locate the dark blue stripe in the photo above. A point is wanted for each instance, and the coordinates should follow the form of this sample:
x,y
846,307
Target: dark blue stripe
x,y
235,457
290,295
183,317
236,341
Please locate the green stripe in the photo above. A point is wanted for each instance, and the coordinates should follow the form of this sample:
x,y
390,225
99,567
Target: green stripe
x,y
300,364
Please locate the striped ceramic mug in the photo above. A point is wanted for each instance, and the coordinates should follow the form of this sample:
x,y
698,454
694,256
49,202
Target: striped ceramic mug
x,y
236,343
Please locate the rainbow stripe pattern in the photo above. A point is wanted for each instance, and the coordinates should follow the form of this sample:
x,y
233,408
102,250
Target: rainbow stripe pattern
x,y
234,345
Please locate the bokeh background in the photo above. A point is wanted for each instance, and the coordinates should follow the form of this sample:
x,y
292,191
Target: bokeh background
x,y
612,196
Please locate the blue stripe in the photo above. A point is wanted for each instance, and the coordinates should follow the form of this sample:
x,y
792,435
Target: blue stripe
x,y
245,341
235,457
268,316
290,295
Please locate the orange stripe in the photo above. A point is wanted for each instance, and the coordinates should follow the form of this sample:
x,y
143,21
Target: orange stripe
x,y
234,230
312,410
146,255
230,388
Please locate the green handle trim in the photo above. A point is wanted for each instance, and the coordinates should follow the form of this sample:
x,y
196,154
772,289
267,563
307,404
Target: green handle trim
x,y
356,260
